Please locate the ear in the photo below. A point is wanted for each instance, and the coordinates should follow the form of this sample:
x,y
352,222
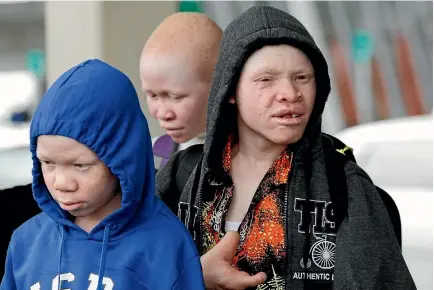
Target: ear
x,y
232,100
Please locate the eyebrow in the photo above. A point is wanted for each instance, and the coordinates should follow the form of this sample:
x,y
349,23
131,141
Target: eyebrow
x,y
303,70
166,93
41,155
267,70
273,71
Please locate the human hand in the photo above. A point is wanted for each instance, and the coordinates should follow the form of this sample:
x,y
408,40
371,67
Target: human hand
x,y
217,267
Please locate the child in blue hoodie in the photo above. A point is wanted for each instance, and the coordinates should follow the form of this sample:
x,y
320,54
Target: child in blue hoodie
x,y
102,227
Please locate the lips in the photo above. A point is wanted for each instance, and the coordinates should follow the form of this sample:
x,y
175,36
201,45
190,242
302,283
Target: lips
x,y
172,129
70,205
289,113
289,117
174,132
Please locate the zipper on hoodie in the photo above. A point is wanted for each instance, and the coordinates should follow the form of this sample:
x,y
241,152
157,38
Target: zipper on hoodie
x,y
199,218
286,220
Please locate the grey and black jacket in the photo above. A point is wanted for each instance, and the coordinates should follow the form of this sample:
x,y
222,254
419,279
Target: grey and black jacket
x,y
367,254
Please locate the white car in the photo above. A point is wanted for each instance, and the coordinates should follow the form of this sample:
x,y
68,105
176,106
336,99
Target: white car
x,y
15,157
398,156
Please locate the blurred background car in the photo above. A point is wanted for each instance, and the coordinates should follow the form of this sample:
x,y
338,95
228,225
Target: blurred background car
x,y
15,156
398,156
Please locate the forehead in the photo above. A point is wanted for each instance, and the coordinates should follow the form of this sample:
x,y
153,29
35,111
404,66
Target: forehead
x,y
277,57
167,73
58,146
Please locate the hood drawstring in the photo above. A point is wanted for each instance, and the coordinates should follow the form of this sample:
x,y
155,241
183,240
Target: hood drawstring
x,y
102,261
59,269
103,256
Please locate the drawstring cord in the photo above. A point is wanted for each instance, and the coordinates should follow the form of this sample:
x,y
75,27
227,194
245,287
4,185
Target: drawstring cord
x,y
102,261
59,269
103,256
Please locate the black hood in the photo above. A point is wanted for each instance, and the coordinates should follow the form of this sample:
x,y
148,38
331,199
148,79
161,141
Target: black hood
x,y
316,194
257,27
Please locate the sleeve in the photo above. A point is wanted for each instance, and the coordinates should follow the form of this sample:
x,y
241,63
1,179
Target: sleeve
x,y
191,278
8,281
368,255
165,184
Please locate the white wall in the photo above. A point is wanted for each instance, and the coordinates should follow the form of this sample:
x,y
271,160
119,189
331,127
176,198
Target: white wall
x,y
72,35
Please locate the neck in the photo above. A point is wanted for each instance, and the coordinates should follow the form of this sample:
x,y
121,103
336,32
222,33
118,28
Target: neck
x,y
90,221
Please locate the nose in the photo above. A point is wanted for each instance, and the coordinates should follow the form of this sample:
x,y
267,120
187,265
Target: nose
x,y
165,113
63,182
288,92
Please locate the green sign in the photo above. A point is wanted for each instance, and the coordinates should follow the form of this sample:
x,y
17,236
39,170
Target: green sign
x,y
35,62
190,6
362,46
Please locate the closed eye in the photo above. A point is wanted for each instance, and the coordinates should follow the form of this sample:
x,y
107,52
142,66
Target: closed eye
x,y
177,97
151,95
265,79
82,167
303,78
48,165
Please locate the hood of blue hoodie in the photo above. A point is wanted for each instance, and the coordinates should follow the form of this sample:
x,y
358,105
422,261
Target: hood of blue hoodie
x,y
97,105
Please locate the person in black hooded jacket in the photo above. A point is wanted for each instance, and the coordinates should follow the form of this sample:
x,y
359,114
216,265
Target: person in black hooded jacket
x,y
18,205
263,174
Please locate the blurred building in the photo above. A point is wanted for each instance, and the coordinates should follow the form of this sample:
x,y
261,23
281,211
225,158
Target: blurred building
x,y
379,53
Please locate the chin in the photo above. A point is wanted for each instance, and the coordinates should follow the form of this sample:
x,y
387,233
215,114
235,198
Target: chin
x,y
77,213
285,141
285,138
181,139
82,212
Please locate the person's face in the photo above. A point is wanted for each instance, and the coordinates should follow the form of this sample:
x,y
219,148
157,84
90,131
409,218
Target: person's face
x,y
276,94
176,96
76,179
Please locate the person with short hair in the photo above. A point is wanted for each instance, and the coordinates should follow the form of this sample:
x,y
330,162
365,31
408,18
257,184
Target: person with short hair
x,y
176,67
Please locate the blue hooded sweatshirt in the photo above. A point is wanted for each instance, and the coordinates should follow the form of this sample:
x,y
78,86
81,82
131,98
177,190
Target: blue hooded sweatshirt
x,y
140,246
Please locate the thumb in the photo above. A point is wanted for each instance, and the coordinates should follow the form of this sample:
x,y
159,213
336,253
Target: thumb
x,y
242,280
228,245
